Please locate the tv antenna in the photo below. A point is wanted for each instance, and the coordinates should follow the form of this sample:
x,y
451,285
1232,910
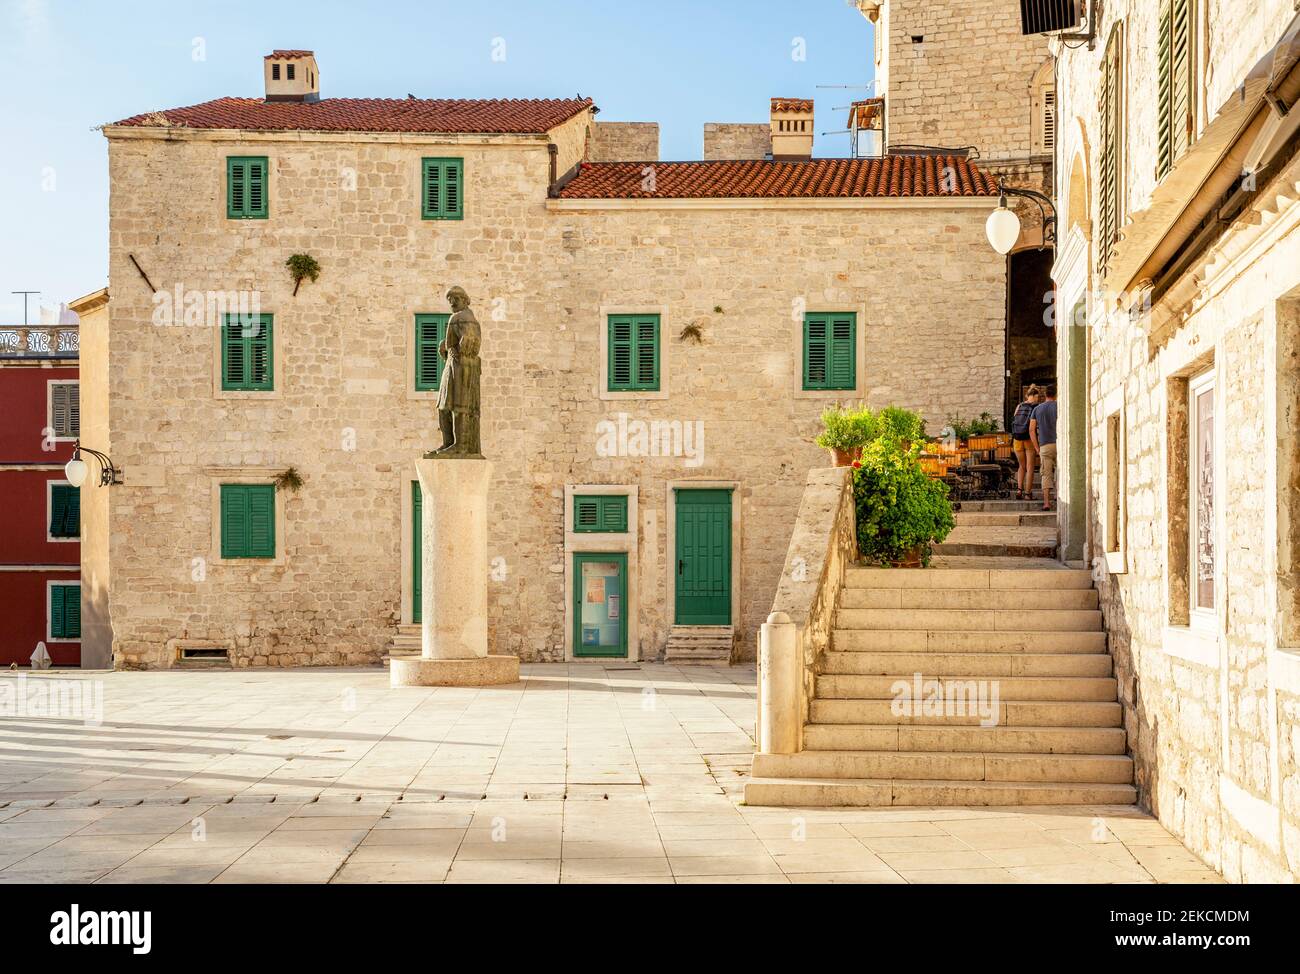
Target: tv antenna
x,y
25,295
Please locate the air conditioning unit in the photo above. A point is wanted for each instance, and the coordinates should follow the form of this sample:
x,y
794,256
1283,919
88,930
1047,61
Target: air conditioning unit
x,y
1047,16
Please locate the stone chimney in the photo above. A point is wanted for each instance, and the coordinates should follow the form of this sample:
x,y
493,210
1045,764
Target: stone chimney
x,y
792,129
291,76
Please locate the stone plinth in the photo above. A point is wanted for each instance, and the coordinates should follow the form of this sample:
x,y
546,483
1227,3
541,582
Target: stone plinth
x,y
453,597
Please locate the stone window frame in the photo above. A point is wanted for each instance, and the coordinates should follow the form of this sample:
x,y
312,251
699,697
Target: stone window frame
x,y
50,484
277,362
599,542
412,360
49,610
246,475
665,369
1114,520
828,396
49,409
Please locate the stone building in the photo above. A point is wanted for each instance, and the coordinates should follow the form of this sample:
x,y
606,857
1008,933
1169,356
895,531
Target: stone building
x,y
1178,276
659,341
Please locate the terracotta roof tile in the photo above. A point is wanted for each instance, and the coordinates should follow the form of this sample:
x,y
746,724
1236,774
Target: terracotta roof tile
x,y
289,55
919,175
434,115
792,104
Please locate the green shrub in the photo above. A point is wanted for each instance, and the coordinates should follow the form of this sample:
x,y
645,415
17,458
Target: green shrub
x,y
846,427
899,508
903,423
965,428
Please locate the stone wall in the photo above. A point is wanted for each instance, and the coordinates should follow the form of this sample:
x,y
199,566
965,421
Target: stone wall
x,y
737,140
927,289
624,142
968,82
1212,704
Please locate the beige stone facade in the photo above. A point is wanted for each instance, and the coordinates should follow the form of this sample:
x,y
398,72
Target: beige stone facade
x,y
1184,456
543,275
737,140
624,142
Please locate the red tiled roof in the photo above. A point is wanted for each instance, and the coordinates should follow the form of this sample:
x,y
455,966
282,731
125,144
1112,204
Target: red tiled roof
x,y
759,178
434,115
289,55
792,104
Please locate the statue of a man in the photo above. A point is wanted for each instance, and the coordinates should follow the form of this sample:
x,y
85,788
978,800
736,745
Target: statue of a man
x,y
458,393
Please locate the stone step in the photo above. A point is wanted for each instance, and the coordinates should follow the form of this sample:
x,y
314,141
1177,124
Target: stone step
x,y
1003,519
1064,688
965,598
920,737
811,792
997,620
1055,577
1116,769
963,641
1009,713
1000,506
999,542
967,664
710,645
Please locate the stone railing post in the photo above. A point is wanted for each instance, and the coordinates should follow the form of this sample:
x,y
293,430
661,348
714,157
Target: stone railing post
x,y
779,670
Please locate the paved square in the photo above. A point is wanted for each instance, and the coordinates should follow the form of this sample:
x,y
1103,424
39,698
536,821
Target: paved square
x,y
580,774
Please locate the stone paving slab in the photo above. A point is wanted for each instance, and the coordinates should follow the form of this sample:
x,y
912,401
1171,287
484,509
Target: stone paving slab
x,y
581,773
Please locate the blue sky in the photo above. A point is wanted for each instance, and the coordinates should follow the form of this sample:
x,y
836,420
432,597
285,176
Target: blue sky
x,y
69,65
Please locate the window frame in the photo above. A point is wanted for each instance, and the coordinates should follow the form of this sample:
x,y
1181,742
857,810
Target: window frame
x,y
1112,156
266,320
603,502
439,320
1197,385
49,409
50,537
442,211
247,212
806,383
50,585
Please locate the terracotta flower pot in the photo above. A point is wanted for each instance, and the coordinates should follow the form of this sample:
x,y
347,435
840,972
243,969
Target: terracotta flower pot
x,y
913,559
845,458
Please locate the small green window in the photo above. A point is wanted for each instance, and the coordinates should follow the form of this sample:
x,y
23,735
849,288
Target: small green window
x,y
65,511
247,521
599,512
430,330
442,194
65,611
633,353
830,351
247,353
246,188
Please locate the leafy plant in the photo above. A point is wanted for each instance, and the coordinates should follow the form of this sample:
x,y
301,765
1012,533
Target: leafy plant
x,y
693,332
903,423
899,509
289,480
846,427
302,266
965,428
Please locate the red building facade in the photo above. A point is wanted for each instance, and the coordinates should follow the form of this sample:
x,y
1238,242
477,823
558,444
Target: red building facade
x,y
40,529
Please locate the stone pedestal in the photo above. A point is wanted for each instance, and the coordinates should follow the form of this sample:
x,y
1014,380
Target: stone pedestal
x,y
453,605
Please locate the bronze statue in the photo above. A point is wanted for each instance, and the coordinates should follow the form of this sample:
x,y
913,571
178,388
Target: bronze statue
x,y
458,392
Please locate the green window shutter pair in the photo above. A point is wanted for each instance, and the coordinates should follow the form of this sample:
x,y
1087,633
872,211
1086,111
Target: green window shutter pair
x,y
65,611
247,353
247,521
1108,194
246,188
599,512
65,511
430,330
634,353
1176,83
830,351
442,193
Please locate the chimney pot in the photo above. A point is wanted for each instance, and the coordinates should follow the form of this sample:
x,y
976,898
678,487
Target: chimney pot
x,y
792,129
291,76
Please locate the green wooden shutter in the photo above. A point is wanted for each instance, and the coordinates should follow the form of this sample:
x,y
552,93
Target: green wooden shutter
x,y
247,189
599,513
417,552
1176,63
830,351
430,330
442,193
65,611
247,521
65,511
247,353
65,409
1109,189
634,353
1165,90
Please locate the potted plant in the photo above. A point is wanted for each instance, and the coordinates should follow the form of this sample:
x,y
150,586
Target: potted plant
x,y
901,513
845,430
908,426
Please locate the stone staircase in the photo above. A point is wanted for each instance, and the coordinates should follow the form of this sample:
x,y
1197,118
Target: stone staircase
x,y
406,642
702,645
1002,529
1032,629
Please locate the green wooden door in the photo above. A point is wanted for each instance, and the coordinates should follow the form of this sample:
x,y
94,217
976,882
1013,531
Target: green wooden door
x,y
703,558
417,550
600,605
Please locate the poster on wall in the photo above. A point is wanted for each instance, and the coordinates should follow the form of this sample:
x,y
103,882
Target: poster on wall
x,y
611,606
596,589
